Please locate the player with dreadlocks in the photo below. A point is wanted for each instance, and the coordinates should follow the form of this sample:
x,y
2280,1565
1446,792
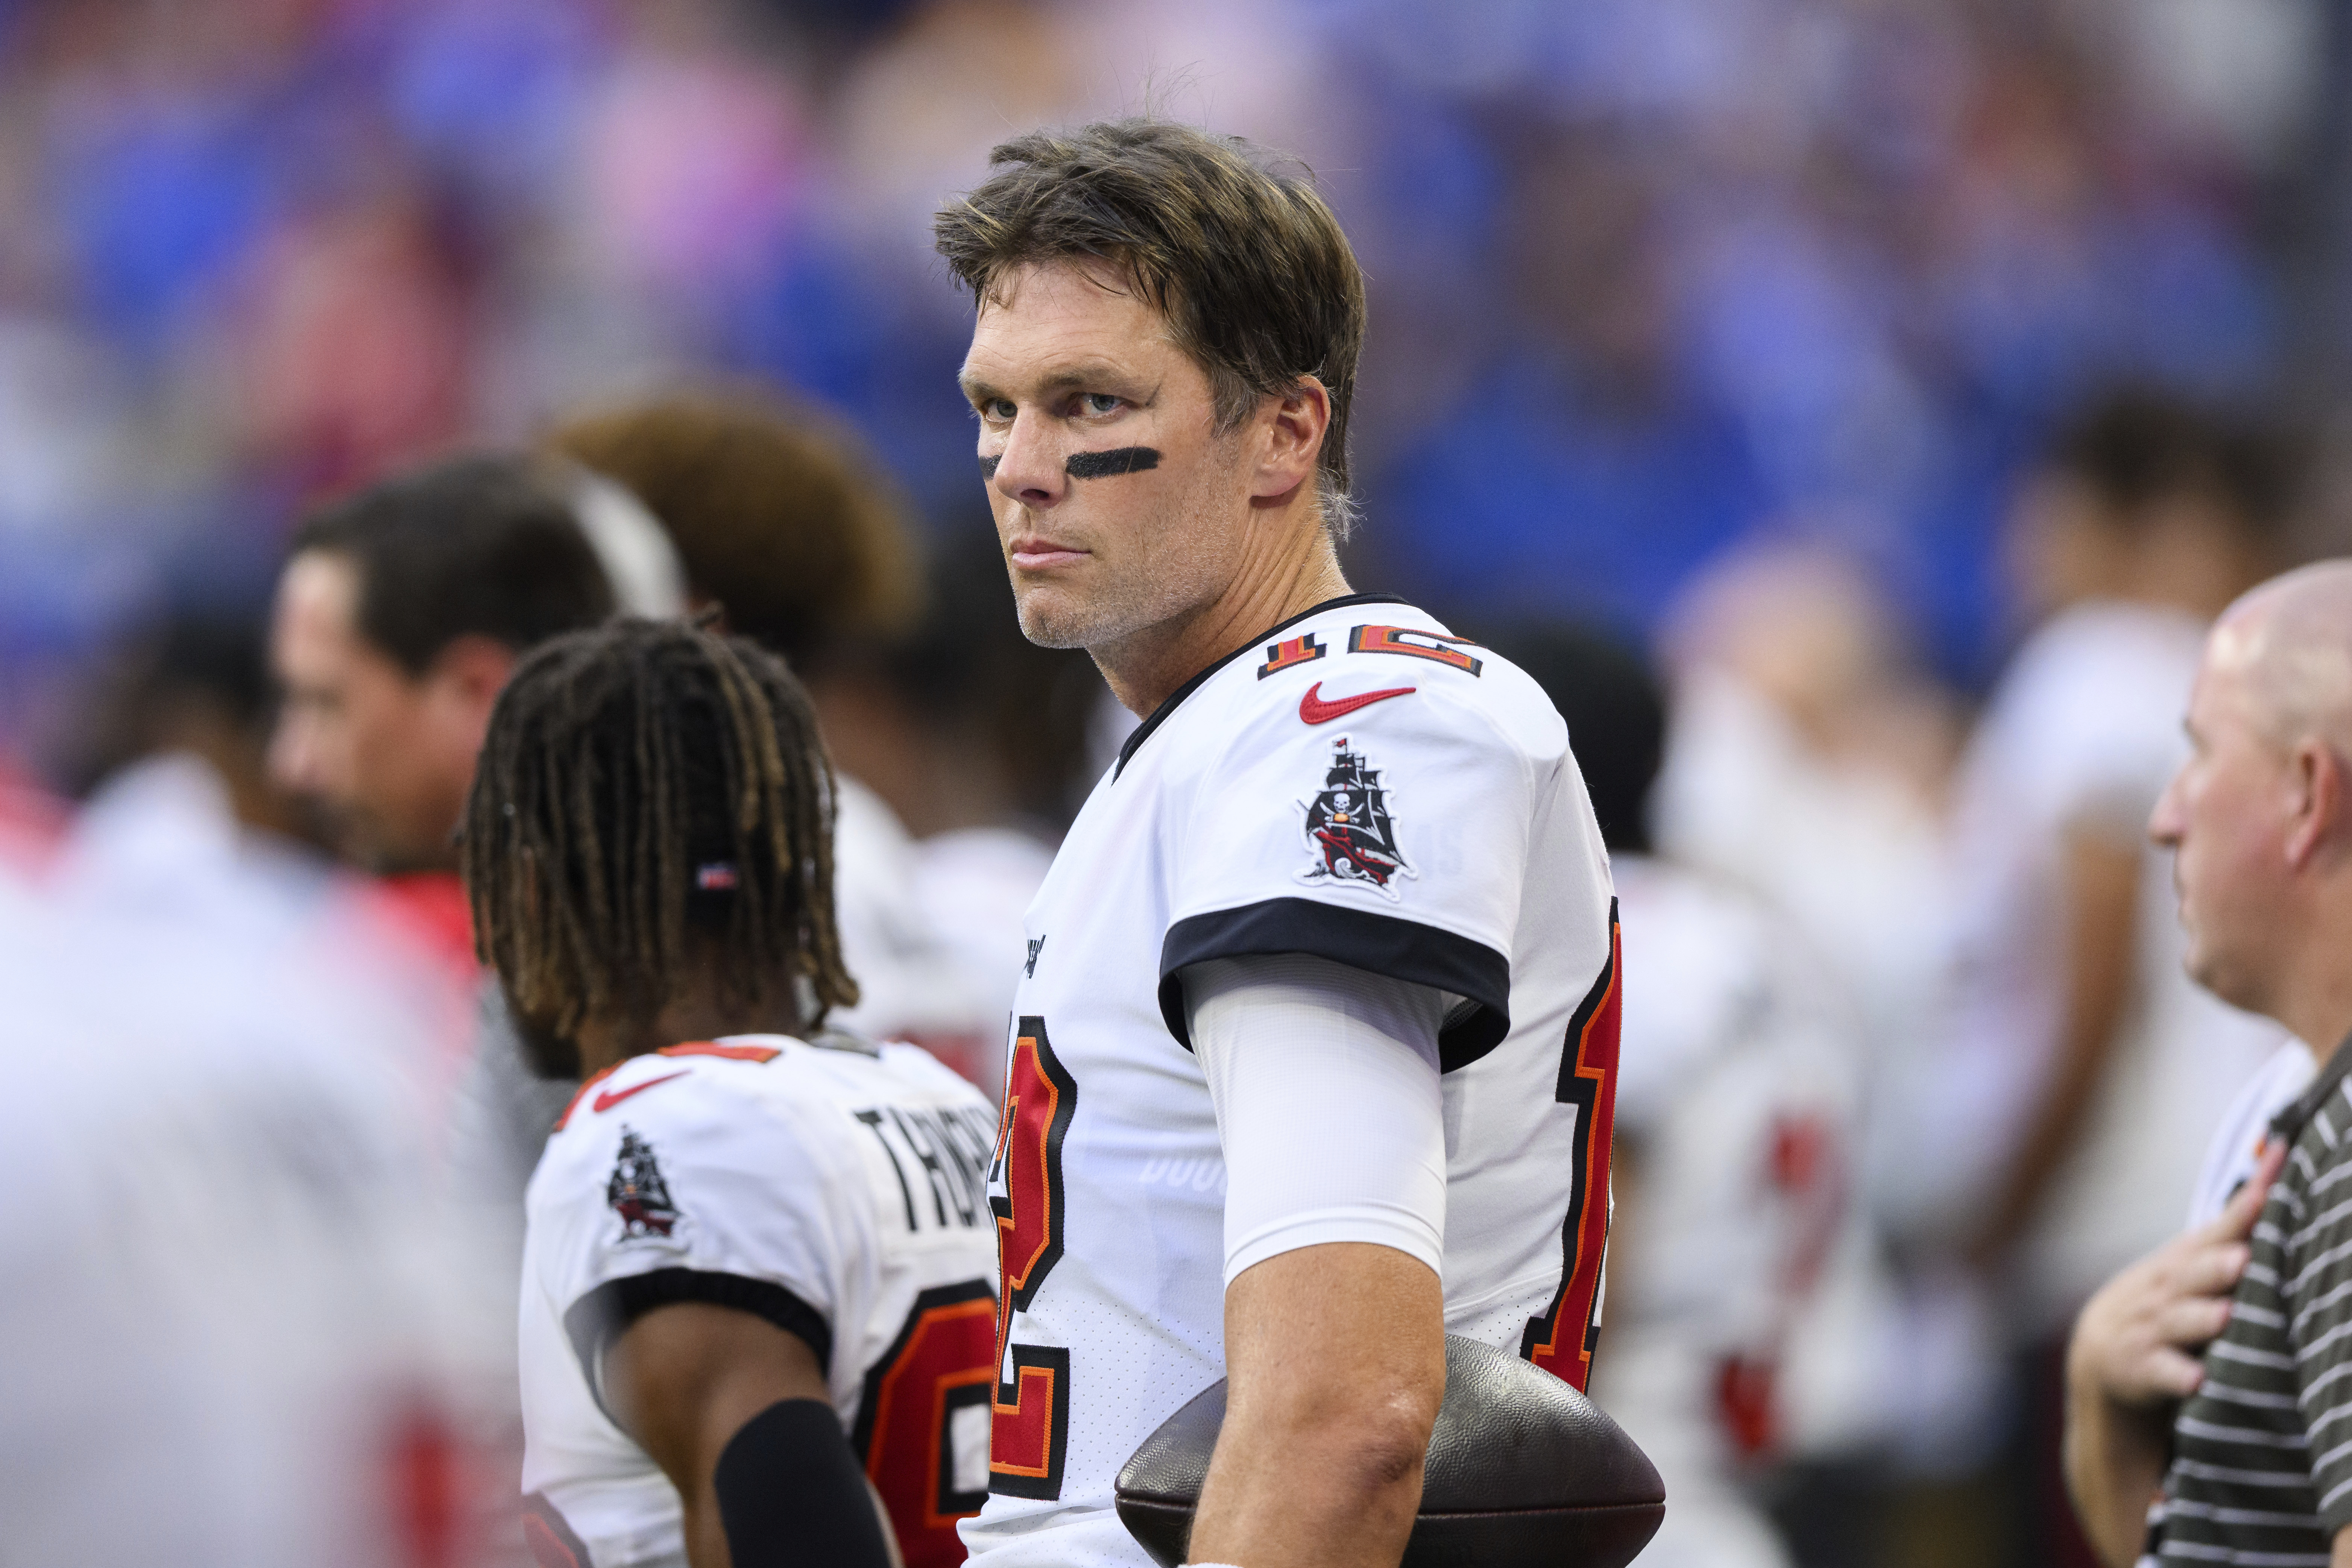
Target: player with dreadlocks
x,y
756,1272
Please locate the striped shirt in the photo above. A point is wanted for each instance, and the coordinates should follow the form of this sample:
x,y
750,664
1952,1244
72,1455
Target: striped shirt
x,y
2262,1466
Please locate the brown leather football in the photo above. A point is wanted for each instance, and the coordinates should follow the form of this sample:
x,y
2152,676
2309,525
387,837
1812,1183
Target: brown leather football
x,y
1523,1472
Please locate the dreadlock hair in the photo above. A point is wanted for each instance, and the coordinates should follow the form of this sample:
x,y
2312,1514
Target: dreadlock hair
x,y
653,808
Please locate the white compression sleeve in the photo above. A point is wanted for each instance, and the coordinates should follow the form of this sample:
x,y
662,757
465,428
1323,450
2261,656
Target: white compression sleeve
x,y
1325,1081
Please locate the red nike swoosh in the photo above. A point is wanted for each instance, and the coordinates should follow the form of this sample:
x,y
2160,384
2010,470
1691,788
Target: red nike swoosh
x,y
1315,710
611,1098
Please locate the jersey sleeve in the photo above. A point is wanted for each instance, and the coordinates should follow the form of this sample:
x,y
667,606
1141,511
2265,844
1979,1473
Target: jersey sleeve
x,y
1384,825
682,1197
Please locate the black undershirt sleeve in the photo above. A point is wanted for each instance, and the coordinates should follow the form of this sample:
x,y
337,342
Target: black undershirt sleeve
x,y
790,1494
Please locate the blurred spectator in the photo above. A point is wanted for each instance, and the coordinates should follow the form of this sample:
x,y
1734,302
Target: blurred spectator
x,y
2082,1069
254,1313
399,614
182,821
1736,1096
2054,1130
1805,761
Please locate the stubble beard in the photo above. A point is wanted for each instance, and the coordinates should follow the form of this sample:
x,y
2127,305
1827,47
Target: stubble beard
x,y
1173,562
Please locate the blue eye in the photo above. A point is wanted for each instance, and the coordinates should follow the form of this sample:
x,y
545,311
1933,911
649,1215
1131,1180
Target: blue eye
x,y
1102,402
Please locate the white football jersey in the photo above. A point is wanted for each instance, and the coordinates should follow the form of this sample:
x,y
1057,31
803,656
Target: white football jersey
x,y
1361,785
835,1189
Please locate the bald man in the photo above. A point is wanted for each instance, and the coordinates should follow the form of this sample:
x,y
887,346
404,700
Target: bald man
x,y
2247,1451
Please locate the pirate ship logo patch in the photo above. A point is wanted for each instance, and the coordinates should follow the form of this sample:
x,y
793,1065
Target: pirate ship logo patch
x,y
1350,837
638,1193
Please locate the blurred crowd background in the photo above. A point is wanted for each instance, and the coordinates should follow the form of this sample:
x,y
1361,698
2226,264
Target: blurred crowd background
x,y
1791,364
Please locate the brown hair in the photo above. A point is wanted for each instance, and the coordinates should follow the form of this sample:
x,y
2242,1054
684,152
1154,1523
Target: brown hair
x,y
653,808
481,545
779,513
2135,446
1235,249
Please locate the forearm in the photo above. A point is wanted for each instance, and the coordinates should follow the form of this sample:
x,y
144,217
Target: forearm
x,y
2114,1458
1319,1463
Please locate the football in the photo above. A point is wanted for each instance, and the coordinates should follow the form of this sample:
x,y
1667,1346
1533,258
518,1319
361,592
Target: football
x,y
1523,1472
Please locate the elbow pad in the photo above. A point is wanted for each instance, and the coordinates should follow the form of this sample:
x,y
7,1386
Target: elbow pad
x,y
790,1493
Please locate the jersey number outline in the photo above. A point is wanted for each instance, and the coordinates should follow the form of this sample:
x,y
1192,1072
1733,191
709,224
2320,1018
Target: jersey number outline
x,y
1562,1341
905,1434
1030,1416
1394,639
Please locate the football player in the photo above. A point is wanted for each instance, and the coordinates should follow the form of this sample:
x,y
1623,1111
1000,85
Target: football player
x,y
757,1257
1313,1056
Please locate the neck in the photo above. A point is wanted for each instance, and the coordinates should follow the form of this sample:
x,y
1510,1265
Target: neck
x,y
607,1042
2318,1009
1144,668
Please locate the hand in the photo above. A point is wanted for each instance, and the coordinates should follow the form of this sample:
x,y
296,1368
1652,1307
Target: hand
x,y
2136,1341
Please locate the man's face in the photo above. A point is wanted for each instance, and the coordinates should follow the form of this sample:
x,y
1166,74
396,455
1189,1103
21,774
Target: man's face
x,y
2225,817
1066,364
387,756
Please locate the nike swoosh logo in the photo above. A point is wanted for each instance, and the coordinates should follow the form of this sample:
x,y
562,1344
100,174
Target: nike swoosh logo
x,y
611,1098
1315,710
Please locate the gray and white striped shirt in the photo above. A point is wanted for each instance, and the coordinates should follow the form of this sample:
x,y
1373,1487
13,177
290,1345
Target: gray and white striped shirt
x,y
2262,1467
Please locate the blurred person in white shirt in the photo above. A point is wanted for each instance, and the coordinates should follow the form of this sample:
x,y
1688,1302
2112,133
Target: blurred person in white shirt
x,y
238,1331
180,820
1805,756
2080,1073
2054,1130
1739,1083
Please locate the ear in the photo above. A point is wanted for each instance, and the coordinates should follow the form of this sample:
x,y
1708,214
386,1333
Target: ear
x,y
470,674
1296,423
2316,803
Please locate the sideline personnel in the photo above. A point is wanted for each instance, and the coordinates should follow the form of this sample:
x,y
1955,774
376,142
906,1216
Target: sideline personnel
x,y
1314,1058
2260,819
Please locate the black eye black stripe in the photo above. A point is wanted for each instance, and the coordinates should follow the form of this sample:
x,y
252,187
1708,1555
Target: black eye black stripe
x,y
1119,460
1093,465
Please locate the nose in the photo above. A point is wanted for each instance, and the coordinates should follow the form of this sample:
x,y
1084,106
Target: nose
x,y
1029,469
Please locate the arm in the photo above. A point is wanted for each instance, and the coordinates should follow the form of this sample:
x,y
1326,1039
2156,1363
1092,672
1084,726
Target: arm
x,y
1319,1462
716,1397
2132,1360
2101,913
1325,1084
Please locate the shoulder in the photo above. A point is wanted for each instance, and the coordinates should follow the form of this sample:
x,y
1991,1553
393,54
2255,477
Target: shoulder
x,y
743,1109
698,1078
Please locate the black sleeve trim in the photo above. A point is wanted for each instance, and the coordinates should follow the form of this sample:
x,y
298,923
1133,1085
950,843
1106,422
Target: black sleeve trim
x,y
596,1319
1379,944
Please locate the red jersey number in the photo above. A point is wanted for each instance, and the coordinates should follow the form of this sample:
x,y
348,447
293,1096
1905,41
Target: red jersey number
x,y
1031,1426
922,1423
1561,1342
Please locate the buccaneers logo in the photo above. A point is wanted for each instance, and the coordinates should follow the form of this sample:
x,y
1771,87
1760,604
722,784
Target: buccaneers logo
x,y
1348,831
638,1193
